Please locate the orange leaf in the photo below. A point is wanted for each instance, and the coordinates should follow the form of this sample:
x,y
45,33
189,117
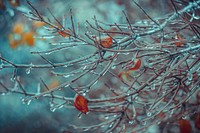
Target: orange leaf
x,y
81,103
28,38
38,24
185,126
106,42
18,28
137,64
13,43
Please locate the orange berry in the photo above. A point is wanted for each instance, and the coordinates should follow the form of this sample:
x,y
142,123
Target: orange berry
x,y
81,103
106,42
137,64
14,3
185,126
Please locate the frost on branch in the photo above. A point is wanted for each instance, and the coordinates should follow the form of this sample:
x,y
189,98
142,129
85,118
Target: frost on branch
x,y
125,76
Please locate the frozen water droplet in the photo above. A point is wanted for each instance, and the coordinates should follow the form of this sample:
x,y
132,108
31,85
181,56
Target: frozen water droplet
x,y
127,53
153,86
51,104
65,66
187,83
128,94
1,67
131,122
80,116
67,85
52,109
190,76
172,112
143,123
113,67
111,125
26,101
102,126
3,94
68,75
115,59
87,113
196,17
198,71
28,70
114,115
150,65
61,106
85,129
148,114
48,53
184,117
106,117
84,67
13,78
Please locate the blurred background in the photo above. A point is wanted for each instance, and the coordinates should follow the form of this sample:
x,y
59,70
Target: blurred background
x,y
16,31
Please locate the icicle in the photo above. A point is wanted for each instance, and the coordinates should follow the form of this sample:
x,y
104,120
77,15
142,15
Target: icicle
x,y
38,89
